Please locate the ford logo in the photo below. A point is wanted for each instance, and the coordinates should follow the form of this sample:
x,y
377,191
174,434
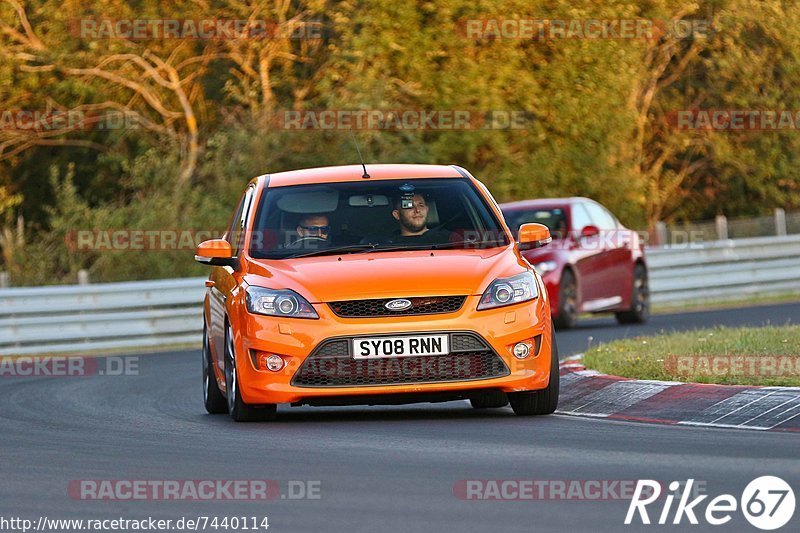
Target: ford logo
x,y
398,305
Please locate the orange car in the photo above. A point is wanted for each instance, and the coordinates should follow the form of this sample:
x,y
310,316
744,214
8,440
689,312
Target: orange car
x,y
383,284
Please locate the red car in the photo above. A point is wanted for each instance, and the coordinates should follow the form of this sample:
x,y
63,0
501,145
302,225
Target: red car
x,y
594,265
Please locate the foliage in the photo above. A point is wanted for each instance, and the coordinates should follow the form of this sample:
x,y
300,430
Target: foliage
x,y
203,116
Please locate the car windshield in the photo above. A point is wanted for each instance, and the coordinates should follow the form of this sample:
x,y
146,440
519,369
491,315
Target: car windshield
x,y
554,218
373,216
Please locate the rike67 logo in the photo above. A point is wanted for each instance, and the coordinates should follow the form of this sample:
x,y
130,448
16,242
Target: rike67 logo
x,y
767,503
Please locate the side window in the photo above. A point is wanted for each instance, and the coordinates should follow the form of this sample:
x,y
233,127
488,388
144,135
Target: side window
x,y
236,233
600,217
580,218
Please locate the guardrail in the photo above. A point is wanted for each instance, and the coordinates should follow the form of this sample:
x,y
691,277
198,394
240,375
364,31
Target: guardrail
x,y
149,314
725,270
104,316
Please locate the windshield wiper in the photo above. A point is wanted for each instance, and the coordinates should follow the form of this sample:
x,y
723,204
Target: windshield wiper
x,y
393,247
350,248
429,246
462,243
435,246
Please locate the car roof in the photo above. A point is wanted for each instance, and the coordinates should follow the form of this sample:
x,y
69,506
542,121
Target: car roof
x,y
543,202
355,172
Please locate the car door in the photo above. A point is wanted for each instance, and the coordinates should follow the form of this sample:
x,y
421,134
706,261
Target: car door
x,y
586,254
611,254
622,244
224,281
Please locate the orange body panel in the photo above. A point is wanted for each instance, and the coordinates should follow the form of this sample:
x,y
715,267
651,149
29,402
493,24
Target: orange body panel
x,y
396,274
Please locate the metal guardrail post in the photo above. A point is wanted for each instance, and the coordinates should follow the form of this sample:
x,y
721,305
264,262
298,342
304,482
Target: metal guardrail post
x,y
780,222
722,227
661,233
83,277
5,280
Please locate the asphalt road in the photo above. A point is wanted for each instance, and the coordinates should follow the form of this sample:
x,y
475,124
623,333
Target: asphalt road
x,y
378,468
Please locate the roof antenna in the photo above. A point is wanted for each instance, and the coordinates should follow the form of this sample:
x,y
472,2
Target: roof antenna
x,y
352,136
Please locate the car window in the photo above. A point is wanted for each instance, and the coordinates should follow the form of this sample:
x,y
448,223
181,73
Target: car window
x,y
600,217
236,233
373,215
555,218
580,217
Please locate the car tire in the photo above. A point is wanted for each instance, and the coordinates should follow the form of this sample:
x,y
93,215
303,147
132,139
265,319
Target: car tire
x,y
544,401
490,400
238,409
567,301
640,299
213,399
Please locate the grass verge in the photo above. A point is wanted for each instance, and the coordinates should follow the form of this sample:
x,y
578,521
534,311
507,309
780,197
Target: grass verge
x,y
730,356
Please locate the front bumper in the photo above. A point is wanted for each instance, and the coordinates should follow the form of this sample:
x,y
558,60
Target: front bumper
x,y
296,339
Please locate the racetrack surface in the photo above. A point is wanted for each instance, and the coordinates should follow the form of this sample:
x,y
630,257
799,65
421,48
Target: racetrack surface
x,y
379,468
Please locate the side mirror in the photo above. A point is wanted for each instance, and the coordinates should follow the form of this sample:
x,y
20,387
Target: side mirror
x,y
215,252
533,236
590,231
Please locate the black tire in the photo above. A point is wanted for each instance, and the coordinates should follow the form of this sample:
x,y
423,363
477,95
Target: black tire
x,y
567,301
539,402
490,400
212,397
240,411
640,299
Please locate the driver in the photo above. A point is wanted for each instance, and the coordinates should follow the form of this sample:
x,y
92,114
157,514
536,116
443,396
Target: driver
x,y
314,226
414,223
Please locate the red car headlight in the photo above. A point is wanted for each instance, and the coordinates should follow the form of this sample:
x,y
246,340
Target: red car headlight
x,y
544,267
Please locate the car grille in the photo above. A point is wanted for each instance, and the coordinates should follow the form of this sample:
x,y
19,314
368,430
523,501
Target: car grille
x,y
424,305
330,365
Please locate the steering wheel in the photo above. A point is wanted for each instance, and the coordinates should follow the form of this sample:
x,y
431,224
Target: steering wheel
x,y
310,242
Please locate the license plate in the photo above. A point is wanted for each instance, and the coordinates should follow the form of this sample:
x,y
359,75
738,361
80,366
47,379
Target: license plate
x,y
406,346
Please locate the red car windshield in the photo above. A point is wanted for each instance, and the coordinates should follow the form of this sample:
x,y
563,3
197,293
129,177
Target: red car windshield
x,y
555,218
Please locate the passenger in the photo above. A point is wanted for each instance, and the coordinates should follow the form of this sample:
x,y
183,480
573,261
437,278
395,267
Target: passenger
x,y
414,223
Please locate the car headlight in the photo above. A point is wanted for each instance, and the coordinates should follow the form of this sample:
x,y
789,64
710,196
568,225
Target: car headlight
x,y
545,266
284,303
508,291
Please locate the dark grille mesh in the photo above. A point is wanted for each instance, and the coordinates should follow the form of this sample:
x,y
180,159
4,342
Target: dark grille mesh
x,y
340,348
428,305
466,343
331,365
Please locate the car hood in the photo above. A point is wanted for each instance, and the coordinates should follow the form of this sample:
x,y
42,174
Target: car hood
x,y
387,274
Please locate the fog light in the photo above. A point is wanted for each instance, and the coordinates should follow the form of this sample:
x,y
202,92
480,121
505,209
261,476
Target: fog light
x,y
274,362
521,350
